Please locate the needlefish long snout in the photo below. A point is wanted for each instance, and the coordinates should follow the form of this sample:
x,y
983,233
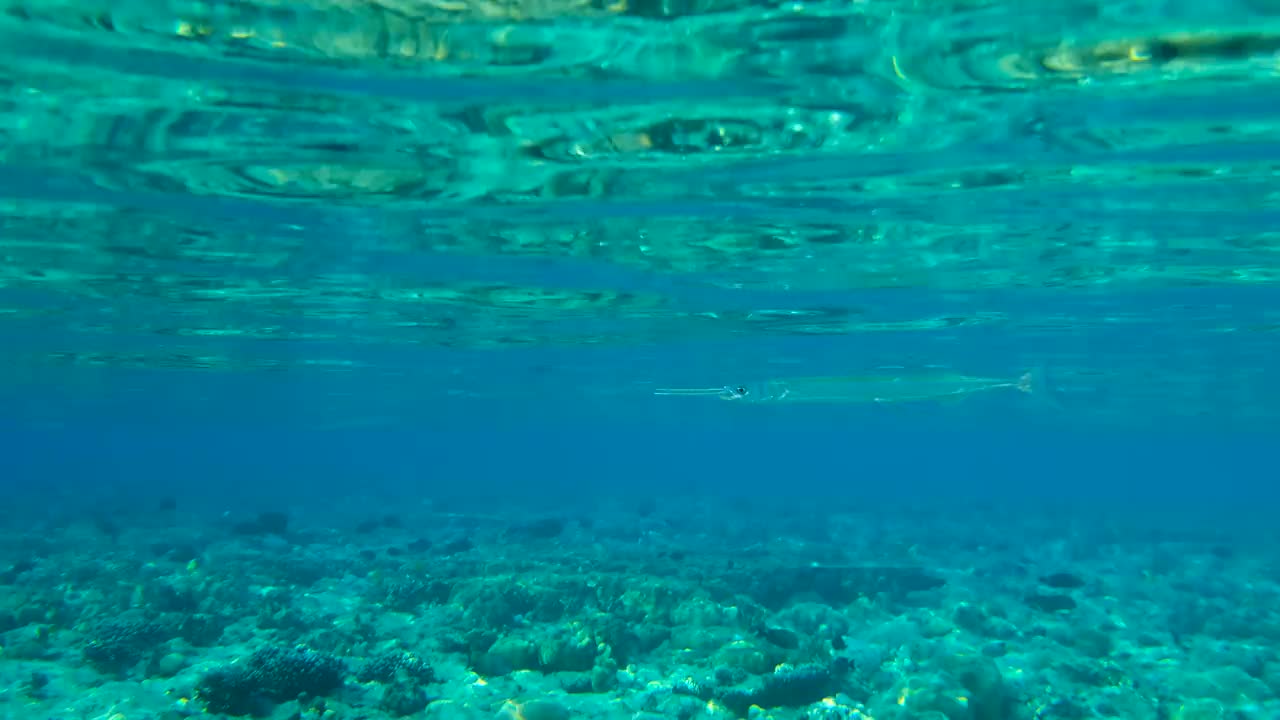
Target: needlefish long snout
x,y
900,385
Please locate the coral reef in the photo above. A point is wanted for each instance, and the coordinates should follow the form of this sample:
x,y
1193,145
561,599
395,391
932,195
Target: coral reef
x,y
571,616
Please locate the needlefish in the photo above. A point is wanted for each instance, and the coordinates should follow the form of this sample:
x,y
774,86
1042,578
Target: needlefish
x,y
894,385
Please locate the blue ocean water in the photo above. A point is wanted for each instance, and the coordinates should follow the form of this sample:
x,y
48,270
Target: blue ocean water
x,y
544,359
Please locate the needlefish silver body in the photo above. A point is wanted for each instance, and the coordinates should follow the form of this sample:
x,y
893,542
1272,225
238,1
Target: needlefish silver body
x,y
895,385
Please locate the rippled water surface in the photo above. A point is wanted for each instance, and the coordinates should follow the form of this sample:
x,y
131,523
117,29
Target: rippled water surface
x,y
594,198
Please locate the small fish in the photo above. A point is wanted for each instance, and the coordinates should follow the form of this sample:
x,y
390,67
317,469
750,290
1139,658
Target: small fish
x,y
898,386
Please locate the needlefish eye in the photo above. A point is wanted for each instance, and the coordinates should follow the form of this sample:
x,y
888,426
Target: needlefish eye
x,y
735,392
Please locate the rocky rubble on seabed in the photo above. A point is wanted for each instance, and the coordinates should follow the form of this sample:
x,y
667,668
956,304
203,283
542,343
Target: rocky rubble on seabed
x,y
638,613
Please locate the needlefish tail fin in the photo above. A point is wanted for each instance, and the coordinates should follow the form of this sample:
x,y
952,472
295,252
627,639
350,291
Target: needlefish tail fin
x,y
1035,382
1027,382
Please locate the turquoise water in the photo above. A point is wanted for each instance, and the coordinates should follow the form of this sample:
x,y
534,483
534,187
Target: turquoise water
x,y
440,194
639,359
